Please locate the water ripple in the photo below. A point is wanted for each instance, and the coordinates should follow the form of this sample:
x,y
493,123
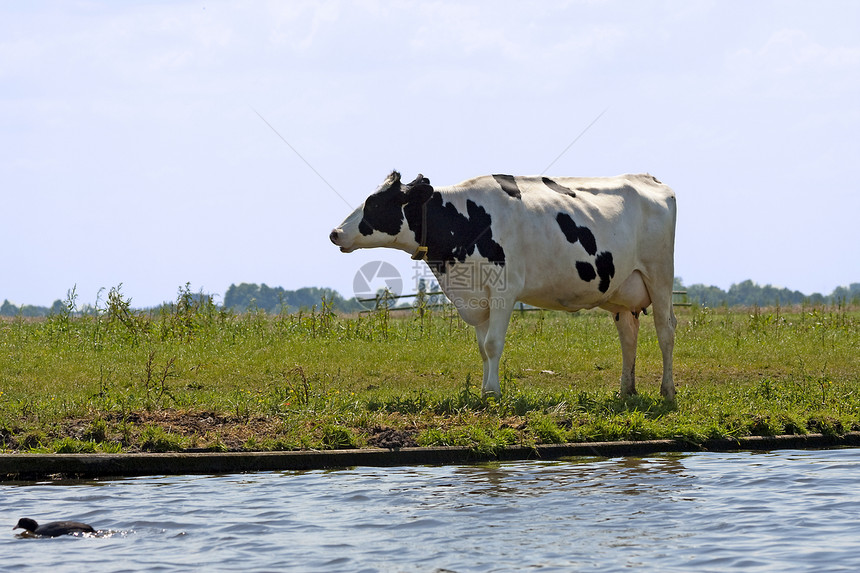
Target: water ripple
x,y
786,511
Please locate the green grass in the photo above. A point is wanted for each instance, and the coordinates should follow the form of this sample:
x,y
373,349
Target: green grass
x,y
197,377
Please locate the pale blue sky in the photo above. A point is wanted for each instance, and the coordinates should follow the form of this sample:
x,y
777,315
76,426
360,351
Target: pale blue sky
x,y
130,150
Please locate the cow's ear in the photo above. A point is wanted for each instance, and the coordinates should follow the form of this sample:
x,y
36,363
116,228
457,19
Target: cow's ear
x,y
419,190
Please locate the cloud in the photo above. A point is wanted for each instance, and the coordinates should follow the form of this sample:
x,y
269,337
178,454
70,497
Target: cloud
x,y
297,25
791,64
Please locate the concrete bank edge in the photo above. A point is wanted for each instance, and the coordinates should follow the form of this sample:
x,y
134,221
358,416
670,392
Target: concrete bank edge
x,y
48,466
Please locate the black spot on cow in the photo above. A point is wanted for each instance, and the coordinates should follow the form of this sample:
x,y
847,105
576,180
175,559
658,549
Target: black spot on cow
x,y
508,185
603,261
451,236
487,247
605,269
557,187
586,271
573,233
383,210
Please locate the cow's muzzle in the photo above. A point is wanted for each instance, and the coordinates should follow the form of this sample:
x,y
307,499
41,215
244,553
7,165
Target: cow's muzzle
x,y
336,237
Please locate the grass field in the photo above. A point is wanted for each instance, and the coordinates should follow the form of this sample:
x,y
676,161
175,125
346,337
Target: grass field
x,y
196,377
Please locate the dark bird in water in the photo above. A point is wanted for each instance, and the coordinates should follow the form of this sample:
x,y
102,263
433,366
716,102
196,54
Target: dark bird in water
x,y
53,529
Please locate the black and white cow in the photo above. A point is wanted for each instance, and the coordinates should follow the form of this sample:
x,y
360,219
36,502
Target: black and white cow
x,y
564,243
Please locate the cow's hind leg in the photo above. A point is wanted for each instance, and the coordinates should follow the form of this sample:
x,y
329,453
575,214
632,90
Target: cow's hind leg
x,y
481,334
665,323
491,342
627,324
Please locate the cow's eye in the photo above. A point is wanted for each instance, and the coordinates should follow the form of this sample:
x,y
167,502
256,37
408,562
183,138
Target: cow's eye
x,y
382,212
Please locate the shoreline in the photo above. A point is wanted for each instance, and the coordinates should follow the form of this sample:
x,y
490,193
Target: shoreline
x,y
37,467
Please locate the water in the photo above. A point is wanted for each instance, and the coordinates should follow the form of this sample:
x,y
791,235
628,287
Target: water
x,y
783,511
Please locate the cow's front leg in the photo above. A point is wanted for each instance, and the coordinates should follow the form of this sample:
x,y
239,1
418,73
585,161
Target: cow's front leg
x,y
491,342
627,324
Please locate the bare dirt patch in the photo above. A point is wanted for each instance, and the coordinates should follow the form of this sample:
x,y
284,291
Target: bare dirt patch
x,y
200,430
391,438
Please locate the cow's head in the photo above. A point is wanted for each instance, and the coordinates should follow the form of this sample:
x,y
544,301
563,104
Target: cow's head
x,y
380,220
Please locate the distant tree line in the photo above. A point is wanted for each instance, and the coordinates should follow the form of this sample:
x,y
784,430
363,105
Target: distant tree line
x,y
273,300
28,310
749,293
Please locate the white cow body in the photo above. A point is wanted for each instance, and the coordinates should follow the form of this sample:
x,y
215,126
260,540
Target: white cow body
x,y
563,243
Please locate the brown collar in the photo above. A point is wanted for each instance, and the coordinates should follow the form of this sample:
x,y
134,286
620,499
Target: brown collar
x,y
421,253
